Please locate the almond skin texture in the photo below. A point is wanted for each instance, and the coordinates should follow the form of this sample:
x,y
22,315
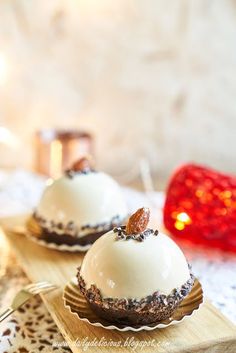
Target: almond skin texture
x,y
138,222
81,164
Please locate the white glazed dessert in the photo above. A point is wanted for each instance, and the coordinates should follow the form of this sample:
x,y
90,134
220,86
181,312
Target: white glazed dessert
x,y
137,277
117,267
92,198
80,206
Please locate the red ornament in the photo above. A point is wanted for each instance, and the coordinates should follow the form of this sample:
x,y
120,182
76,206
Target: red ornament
x,y
201,206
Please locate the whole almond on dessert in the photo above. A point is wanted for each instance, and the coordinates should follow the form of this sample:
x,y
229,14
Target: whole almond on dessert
x,y
82,164
138,222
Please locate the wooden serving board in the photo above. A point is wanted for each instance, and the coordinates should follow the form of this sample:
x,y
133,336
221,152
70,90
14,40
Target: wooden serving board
x,y
206,331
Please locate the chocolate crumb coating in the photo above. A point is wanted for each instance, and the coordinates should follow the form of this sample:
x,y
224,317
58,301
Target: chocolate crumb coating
x,y
151,309
72,173
52,237
69,233
122,234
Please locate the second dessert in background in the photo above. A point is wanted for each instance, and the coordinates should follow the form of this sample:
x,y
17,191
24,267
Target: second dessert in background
x,y
79,207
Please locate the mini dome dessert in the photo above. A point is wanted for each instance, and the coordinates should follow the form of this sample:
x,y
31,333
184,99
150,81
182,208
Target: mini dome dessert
x,y
78,207
134,275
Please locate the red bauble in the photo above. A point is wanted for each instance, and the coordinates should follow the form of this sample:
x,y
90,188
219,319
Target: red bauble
x,y
201,206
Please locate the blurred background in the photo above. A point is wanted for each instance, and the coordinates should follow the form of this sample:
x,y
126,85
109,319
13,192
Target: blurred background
x,y
148,79
142,85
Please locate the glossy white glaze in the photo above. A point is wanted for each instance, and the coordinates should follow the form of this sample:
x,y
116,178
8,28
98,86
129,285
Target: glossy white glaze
x,y
91,198
132,269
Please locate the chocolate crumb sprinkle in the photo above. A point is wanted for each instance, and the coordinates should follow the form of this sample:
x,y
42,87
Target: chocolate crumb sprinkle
x,y
153,302
122,234
72,229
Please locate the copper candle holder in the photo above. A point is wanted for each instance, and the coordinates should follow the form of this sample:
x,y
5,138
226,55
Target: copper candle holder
x,y
56,150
